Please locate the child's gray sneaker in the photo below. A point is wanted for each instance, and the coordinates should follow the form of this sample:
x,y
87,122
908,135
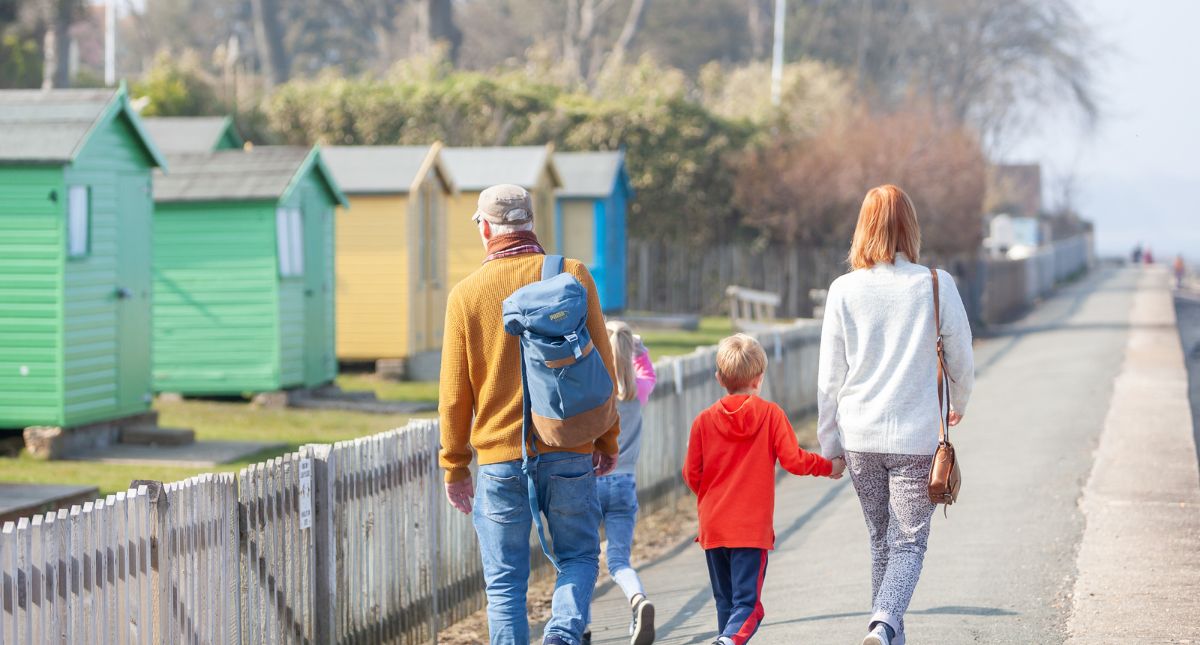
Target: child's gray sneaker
x,y
643,623
878,636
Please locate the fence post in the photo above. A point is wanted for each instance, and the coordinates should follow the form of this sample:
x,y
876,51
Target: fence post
x,y
325,601
430,439
160,594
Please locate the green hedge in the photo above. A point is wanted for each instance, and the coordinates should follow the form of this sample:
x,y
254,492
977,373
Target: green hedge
x,y
679,153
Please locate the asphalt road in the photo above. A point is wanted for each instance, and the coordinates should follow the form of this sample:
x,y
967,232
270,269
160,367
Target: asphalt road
x,y
1001,568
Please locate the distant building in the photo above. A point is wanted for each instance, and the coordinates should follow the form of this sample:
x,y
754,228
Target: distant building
x,y
1013,210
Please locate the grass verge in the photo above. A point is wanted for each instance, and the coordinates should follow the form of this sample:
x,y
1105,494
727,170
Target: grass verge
x,y
212,420
673,342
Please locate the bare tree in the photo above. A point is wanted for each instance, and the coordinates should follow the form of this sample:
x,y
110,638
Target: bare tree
x,y
633,22
269,36
996,63
582,36
758,24
56,43
808,190
434,23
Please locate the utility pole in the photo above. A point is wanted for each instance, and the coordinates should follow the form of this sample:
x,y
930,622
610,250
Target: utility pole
x,y
777,53
110,43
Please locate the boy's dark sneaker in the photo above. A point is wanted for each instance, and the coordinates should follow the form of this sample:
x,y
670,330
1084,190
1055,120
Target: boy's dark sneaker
x,y
643,622
587,637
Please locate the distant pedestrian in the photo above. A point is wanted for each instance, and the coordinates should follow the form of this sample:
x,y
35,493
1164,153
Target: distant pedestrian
x,y
1136,255
1180,270
618,491
481,409
730,465
877,393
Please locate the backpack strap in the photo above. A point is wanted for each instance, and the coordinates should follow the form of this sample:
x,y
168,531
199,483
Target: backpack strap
x,y
552,265
529,460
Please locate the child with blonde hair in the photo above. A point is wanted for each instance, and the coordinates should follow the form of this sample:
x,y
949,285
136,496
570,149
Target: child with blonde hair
x,y
618,490
731,457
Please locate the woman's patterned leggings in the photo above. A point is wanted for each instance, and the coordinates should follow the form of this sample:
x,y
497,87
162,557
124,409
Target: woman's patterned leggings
x,y
894,493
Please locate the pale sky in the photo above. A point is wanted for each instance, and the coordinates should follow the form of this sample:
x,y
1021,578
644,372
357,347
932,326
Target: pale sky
x,y
1138,176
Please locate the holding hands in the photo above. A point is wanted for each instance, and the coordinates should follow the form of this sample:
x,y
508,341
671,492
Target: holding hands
x,y
839,467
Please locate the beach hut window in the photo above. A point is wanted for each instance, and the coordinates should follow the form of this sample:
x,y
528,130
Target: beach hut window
x,y
289,237
79,221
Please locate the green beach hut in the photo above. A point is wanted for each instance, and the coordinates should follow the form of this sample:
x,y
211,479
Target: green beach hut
x,y
75,232
244,271
181,134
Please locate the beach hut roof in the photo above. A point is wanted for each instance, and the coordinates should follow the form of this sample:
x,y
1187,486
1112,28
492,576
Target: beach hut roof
x,y
589,174
53,126
478,168
262,173
177,134
384,169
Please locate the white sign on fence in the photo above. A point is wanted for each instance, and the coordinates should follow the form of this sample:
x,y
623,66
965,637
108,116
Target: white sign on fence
x,y
306,506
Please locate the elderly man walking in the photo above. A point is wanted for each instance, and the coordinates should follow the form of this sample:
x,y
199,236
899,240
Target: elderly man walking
x,y
481,407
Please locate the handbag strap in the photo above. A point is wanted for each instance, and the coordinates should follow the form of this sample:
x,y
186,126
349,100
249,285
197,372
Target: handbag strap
x,y
943,387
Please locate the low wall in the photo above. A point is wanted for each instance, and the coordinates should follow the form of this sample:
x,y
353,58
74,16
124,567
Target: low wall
x,y
1008,288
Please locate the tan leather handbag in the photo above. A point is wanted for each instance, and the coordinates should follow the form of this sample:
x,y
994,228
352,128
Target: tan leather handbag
x,y
945,477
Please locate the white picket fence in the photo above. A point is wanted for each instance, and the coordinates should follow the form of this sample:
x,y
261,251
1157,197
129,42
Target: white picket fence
x,y
344,543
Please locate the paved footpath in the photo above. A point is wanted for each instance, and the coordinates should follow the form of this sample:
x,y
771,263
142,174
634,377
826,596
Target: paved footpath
x,y
1002,567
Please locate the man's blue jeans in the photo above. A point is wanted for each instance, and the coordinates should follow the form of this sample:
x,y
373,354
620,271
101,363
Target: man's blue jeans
x,y
567,496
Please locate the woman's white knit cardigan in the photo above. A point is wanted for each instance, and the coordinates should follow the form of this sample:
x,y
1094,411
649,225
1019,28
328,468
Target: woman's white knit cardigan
x,y
877,376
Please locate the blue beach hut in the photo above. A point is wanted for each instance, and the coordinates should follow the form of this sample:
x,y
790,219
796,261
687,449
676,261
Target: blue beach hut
x,y
590,218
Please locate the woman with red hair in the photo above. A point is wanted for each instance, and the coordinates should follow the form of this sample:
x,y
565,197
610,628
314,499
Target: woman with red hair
x,y
878,406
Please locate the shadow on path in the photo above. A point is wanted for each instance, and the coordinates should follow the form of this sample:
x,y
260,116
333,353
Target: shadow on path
x,y
950,610
703,596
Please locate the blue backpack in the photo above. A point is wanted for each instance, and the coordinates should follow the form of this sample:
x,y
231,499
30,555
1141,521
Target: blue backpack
x,y
568,392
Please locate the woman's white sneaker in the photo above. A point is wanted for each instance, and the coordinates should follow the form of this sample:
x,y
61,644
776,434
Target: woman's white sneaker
x,y
878,636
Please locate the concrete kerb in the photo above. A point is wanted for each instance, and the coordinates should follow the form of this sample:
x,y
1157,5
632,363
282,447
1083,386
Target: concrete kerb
x,y
1138,576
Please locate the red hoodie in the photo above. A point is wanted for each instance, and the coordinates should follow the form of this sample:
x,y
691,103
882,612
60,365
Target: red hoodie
x,y
731,467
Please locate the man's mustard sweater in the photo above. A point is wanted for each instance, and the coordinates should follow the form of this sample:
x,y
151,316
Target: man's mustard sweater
x,y
481,366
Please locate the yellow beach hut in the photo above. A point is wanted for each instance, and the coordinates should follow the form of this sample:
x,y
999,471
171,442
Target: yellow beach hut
x,y
474,169
391,261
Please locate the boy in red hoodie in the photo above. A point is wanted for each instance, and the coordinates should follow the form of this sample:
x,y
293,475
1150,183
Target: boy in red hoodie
x,y
731,458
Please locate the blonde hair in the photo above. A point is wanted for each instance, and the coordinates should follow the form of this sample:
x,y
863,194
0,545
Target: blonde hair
x,y
740,360
887,223
620,336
